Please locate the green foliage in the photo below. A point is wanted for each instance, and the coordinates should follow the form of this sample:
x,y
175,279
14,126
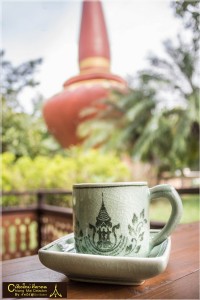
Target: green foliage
x,y
15,78
177,74
188,11
121,123
61,171
22,133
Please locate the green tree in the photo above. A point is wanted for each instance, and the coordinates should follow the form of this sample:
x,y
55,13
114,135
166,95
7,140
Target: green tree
x,y
22,133
122,122
188,11
178,75
147,126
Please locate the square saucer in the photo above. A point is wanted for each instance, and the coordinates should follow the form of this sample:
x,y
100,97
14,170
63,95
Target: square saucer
x,y
61,256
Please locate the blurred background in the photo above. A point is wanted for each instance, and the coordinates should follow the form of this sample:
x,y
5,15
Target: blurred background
x,y
139,125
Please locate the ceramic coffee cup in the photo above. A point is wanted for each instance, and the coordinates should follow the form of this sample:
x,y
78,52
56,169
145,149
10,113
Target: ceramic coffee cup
x,y
113,218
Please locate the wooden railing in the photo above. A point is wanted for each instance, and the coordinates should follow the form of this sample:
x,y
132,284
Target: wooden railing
x,y
26,229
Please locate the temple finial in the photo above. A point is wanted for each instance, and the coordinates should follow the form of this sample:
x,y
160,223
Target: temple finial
x,y
94,50
62,111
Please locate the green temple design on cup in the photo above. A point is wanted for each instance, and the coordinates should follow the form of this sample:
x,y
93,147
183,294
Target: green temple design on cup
x,y
113,219
106,237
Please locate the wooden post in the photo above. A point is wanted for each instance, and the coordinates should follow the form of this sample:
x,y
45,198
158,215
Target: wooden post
x,y
40,202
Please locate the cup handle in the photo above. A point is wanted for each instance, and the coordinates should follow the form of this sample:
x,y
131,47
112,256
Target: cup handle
x,y
169,192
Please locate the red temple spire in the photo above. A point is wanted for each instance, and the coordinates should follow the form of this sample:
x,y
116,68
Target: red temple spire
x,y
62,111
94,51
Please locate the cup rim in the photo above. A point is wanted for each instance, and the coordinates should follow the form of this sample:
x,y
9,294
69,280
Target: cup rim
x,y
109,184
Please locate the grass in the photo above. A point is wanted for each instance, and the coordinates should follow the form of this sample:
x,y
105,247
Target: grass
x,y
160,209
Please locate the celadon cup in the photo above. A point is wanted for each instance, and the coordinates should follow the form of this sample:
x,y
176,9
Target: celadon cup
x,y
113,218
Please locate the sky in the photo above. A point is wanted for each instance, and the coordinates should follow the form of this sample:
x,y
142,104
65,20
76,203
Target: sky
x,y
50,30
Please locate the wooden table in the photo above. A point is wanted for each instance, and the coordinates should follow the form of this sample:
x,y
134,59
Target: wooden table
x,y
179,281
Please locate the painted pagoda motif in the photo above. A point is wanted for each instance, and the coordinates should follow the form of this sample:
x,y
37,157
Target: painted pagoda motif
x,y
106,238
104,228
